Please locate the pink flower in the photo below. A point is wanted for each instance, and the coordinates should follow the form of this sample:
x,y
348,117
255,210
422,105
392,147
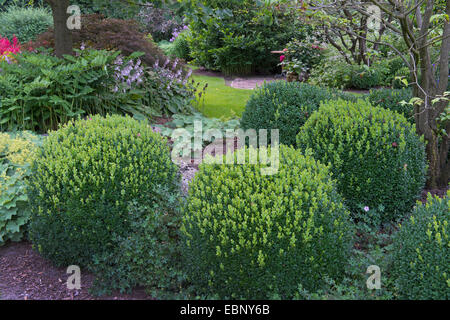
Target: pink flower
x,y
282,58
366,209
138,134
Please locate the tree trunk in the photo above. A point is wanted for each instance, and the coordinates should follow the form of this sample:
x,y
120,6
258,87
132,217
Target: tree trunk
x,y
63,36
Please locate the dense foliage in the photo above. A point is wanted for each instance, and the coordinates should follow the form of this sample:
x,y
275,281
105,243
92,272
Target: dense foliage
x,y
285,106
375,155
391,99
40,91
257,236
301,57
100,33
24,23
422,252
236,36
16,155
93,183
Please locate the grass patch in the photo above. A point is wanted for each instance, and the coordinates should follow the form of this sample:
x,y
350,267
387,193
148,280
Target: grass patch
x,y
220,100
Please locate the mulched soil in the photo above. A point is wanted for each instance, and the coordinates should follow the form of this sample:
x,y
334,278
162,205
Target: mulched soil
x,y
25,275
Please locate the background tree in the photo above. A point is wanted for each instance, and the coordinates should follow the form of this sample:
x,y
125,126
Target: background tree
x,y
425,29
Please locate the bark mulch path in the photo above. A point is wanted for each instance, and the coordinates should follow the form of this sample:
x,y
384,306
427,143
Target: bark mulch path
x,y
25,275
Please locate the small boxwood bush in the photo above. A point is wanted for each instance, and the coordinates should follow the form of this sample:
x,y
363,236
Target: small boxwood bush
x,y
17,152
285,106
255,237
84,181
375,155
391,98
421,258
25,23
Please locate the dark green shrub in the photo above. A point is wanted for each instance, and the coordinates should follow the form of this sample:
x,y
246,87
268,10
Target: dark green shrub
x,y
94,181
180,47
421,253
364,77
285,106
236,36
256,236
17,152
375,155
24,23
391,98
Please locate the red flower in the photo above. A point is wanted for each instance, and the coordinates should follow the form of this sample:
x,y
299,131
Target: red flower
x,y
282,58
394,144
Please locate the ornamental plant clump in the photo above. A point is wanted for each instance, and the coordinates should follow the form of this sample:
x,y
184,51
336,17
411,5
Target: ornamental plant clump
x,y
92,183
375,155
285,106
16,155
421,252
301,56
253,236
8,49
42,91
392,99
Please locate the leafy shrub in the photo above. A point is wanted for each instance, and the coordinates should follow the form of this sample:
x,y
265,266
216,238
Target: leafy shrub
x,y
336,73
301,56
252,236
285,106
106,33
41,91
236,37
365,77
422,253
180,47
24,23
395,65
375,154
391,98
160,21
331,72
8,49
94,181
401,74
16,154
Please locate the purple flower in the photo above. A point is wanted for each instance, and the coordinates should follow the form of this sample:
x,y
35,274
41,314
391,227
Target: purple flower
x,y
366,209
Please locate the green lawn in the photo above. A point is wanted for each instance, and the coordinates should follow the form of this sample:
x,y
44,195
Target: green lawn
x,y
221,101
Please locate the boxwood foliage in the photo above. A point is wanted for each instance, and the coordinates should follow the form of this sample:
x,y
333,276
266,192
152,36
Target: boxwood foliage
x,y
285,106
17,152
375,155
421,258
255,236
84,181
391,99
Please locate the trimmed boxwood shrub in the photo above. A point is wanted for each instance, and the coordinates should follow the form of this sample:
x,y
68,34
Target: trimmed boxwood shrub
x,y
391,98
84,181
257,236
375,155
285,106
421,258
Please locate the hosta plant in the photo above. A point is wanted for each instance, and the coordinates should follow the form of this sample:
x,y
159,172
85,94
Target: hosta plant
x,y
16,155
